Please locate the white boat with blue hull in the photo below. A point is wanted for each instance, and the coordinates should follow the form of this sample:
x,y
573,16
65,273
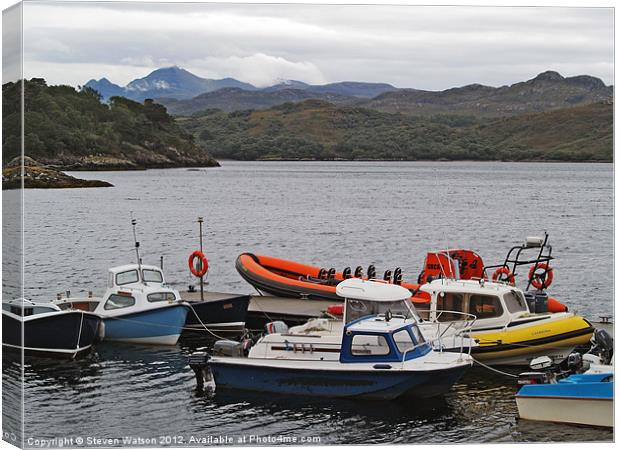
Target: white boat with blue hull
x,y
137,307
379,357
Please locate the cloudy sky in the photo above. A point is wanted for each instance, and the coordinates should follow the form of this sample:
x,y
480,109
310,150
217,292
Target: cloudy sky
x,y
407,46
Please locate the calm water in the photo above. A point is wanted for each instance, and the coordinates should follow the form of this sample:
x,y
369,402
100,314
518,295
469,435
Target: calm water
x,y
332,214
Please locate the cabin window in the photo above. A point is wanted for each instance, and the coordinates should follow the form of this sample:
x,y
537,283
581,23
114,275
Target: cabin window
x,y
130,276
356,309
449,301
485,306
403,341
369,345
153,276
161,297
119,301
515,302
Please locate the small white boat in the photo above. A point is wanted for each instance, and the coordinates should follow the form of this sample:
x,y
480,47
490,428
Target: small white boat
x,y
582,395
137,307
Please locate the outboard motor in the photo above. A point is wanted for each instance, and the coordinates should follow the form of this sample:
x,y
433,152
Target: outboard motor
x,y
359,272
198,363
372,272
387,276
574,362
603,344
228,348
398,276
346,273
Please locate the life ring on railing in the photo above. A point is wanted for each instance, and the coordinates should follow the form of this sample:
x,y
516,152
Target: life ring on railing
x,y
508,275
204,264
537,280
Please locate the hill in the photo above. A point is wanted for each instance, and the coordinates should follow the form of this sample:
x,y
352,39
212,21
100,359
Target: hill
x,y
71,129
548,90
235,99
172,82
318,130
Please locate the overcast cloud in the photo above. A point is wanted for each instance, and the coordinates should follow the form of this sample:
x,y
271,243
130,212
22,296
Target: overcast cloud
x,y
421,47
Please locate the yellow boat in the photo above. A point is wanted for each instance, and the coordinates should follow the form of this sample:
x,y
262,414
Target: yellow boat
x,y
506,330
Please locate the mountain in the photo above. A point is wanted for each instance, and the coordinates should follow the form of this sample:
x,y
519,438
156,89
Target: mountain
x,y
171,82
343,88
75,130
548,90
235,99
315,129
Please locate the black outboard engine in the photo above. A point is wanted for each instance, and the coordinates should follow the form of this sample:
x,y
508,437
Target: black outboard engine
x,y
359,272
603,345
346,273
398,276
372,272
198,362
387,276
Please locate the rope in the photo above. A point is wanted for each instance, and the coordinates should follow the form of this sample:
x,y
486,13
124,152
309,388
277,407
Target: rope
x,y
494,370
203,325
153,324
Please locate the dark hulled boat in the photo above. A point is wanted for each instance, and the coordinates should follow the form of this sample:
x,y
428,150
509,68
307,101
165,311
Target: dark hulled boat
x,y
43,329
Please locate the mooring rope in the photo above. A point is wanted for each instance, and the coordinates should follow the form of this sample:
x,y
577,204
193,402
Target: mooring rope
x,y
495,370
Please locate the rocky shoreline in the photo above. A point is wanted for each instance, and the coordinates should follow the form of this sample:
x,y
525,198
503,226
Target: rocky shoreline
x,y
38,176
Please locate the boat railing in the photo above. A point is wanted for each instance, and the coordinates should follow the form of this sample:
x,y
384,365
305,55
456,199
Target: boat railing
x,y
461,326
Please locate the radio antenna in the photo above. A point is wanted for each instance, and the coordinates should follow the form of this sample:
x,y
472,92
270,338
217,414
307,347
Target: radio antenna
x,y
137,247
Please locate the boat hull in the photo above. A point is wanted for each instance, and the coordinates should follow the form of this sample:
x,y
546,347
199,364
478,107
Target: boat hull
x,y
227,315
161,326
41,336
375,384
582,402
519,345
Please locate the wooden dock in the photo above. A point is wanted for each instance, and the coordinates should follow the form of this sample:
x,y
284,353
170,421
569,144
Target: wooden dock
x,y
266,308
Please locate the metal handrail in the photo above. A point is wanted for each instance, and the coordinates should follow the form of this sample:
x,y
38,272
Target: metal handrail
x,y
466,326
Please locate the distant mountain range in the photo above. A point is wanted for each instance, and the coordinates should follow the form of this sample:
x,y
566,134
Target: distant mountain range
x,y
184,93
177,83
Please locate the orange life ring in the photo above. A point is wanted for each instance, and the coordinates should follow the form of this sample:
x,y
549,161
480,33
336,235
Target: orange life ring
x,y
537,281
204,264
509,276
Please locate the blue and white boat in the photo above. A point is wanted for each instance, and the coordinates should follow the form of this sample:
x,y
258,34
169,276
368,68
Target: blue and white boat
x,y
137,307
380,356
585,399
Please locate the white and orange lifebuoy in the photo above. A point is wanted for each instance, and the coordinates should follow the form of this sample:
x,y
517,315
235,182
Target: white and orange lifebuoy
x,y
537,280
202,268
503,274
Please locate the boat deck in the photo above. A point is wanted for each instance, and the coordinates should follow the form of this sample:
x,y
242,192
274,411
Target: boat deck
x,y
266,308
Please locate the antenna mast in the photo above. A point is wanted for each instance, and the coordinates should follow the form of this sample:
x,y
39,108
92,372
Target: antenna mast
x,y
137,247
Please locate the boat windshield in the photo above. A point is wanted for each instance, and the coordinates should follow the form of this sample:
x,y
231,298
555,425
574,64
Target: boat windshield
x,y
153,276
356,309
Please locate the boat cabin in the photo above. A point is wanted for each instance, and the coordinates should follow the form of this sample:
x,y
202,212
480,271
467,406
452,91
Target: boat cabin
x,y
365,298
130,288
382,339
489,302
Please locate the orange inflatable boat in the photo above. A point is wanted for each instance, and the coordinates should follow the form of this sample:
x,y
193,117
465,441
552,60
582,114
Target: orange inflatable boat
x,y
284,278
